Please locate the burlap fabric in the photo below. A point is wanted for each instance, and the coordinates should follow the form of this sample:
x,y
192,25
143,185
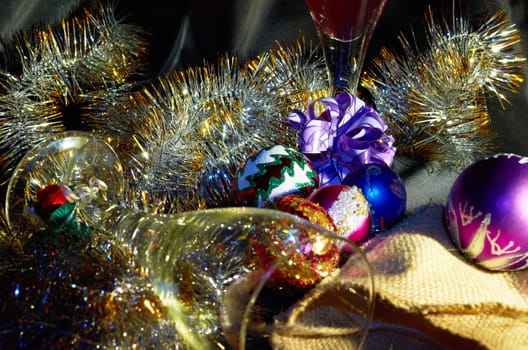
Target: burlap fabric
x,y
426,297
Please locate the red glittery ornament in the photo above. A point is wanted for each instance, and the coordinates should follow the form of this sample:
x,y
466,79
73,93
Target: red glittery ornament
x,y
304,259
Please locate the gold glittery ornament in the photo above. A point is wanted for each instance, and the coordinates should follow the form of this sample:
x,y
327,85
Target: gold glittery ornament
x,y
304,208
312,261
434,99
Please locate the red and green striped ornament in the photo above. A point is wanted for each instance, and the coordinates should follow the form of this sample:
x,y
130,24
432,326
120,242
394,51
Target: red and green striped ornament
x,y
271,173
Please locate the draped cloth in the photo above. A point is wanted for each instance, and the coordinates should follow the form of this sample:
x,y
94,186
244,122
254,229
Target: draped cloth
x,y
427,296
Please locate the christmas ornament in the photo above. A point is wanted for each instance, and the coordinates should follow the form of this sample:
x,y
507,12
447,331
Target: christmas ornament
x,y
190,259
56,205
487,215
340,134
384,190
313,260
434,99
347,207
271,173
304,208
64,75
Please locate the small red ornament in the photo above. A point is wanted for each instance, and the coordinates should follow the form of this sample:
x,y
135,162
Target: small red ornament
x,y
51,198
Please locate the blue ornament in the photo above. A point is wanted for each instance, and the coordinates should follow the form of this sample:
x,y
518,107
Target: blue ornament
x,y
384,190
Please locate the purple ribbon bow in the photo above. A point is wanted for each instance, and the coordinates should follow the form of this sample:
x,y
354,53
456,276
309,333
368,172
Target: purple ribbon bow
x,y
347,134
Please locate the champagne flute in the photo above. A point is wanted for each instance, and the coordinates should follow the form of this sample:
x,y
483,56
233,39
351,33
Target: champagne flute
x,y
345,28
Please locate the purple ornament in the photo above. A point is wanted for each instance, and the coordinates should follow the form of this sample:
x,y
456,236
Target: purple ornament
x,y
487,212
338,135
347,207
384,190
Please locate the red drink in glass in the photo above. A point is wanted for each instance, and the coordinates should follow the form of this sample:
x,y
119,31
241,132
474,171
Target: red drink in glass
x,y
345,19
345,28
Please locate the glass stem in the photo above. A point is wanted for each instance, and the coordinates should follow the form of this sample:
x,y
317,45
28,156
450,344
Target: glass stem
x,y
344,61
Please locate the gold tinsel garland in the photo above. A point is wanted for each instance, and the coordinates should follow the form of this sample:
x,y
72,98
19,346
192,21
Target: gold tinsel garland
x,y
435,99
183,136
64,71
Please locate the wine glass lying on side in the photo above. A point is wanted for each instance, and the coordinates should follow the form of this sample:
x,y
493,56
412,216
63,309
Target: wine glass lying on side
x,y
224,275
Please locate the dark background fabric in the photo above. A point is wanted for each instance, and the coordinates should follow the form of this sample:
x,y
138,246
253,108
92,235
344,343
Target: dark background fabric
x,y
184,33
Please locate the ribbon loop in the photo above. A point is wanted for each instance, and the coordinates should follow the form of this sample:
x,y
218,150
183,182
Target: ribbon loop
x,y
344,135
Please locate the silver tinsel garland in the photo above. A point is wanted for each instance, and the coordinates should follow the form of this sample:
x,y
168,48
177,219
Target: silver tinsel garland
x,y
182,136
435,99
64,71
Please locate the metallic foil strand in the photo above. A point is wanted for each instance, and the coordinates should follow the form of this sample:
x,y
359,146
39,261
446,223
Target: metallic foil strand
x,y
64,70
183,136
434,99
77,294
